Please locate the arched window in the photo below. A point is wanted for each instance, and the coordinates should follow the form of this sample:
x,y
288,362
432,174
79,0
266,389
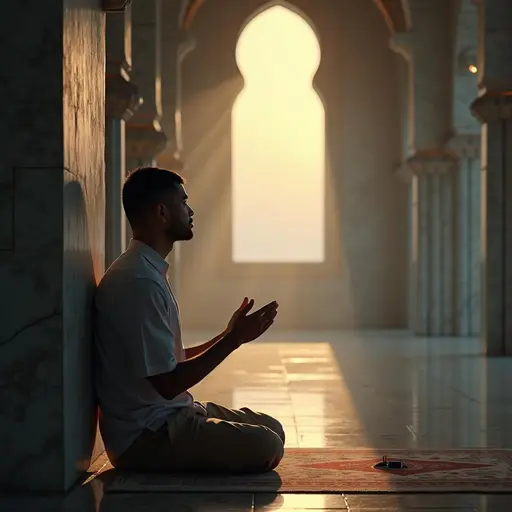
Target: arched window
x,y
278,144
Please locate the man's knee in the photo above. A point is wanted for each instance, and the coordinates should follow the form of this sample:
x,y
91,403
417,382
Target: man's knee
x,y
276,426
269,422
269,450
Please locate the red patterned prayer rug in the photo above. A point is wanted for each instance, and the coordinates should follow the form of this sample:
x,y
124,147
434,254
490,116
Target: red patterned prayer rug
x,y
328,470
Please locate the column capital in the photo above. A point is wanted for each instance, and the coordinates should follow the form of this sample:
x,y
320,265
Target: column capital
x,y
438,161
465,145
122,97
144,141
493,106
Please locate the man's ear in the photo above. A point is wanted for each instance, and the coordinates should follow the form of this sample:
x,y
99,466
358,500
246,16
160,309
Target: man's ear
x,y
160,211
164,212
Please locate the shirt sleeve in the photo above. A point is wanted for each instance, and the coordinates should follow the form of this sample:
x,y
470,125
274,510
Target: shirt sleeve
x,y
145,328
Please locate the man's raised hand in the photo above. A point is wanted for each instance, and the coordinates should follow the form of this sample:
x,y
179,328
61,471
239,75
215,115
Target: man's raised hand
x,y
245,306
247,328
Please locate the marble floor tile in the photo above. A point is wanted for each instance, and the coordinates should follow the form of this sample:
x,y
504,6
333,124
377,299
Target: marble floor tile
x,y
183,502
412,501
294,502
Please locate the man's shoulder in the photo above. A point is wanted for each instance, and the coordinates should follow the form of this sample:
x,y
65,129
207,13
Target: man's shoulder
x,y
128,267
129,273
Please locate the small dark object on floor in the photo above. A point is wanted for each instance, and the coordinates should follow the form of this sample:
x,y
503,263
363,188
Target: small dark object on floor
x,y
390,464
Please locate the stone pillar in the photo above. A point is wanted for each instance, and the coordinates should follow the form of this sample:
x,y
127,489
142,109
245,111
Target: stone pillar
x,y
173,40
465,144
145,139
428,50
434,200
494,109
468,255
431,45
404,65
144,135
122,101
186,45
52,225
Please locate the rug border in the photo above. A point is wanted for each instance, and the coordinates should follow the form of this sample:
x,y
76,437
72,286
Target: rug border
x,y
141,489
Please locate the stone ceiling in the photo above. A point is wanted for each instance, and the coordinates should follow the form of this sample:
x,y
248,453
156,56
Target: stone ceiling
x,y
395,12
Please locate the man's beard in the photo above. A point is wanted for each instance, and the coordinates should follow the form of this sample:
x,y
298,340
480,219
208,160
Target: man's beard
x,y
181,235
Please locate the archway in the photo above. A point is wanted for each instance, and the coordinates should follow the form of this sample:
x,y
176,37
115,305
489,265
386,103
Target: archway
x,y
278,144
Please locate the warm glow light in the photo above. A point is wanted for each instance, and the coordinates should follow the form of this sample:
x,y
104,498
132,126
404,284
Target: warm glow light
x,y
473,69
278,143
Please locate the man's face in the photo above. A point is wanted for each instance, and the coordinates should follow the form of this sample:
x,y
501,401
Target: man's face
x,y
177,215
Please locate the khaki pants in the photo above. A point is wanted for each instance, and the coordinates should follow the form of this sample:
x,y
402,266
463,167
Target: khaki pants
x,y
221,440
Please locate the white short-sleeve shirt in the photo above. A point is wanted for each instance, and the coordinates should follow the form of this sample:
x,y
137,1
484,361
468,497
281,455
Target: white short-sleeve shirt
x,y
137,334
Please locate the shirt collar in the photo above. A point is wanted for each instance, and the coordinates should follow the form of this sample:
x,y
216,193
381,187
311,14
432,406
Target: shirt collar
x,y
150,255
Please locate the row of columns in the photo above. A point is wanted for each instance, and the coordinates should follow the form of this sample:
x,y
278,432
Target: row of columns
x,y
443,171
460,172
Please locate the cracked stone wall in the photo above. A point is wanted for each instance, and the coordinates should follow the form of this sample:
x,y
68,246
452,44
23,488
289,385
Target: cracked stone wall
x,y
51,236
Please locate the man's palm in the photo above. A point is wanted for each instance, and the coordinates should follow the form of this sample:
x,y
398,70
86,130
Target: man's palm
x,y
250,327
238,312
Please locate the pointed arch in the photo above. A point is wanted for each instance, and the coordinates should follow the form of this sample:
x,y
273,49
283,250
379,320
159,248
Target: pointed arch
x,y
278,143
397,14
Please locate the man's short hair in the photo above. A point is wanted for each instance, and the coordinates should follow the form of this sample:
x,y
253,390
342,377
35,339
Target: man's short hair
x,y
143,187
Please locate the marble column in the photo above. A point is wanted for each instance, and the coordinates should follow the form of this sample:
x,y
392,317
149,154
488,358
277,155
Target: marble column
x,y
428,52
171,40
174,42
145,138
466,147
465,144
404,66
434,203
493,108
52,225
122,99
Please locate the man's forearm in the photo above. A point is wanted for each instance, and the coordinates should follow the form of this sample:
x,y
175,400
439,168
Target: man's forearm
x,y
199,349
192,371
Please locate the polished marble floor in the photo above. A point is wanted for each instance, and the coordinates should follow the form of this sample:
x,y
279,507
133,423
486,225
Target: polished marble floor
x,y
340,389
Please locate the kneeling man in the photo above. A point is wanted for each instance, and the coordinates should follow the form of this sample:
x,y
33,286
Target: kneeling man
x,y
148,419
